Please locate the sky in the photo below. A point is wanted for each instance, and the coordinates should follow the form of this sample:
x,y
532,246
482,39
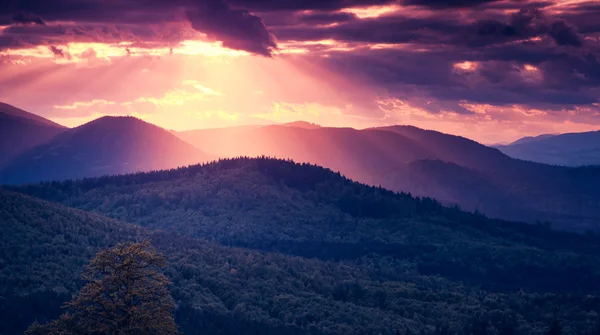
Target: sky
x,y
491,70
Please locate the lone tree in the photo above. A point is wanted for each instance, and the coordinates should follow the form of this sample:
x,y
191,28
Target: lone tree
x,y
124,294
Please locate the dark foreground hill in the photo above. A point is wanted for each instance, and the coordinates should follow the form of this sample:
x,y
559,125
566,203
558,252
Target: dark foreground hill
x,y
573,149
20,131
425,163
106,146
323,255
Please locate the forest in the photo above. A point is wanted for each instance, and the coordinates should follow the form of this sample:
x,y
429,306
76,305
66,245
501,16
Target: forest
x,y
265,246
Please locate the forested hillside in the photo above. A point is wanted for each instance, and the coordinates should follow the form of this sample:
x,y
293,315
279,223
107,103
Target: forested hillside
x,y
309,211
225,290
380,258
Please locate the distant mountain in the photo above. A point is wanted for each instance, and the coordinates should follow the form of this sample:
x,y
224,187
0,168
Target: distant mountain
x,y
301,124
321,254
529,139
20,131
109,145
453,169
359,154
572,149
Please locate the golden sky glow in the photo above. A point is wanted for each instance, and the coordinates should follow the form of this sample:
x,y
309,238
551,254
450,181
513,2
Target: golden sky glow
x,y
372,11
473,71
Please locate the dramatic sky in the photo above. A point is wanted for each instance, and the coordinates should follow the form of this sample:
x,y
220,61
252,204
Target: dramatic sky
x,y
492,70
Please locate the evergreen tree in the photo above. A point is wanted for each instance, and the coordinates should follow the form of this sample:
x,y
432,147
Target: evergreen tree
x,y
124,294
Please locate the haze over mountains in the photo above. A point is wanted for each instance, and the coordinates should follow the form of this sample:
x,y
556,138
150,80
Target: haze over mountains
x,y
452,169
573,149
106,146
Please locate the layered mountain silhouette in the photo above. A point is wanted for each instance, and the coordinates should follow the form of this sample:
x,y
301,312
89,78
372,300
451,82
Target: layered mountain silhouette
x,y
108,145
20,131
572,149
453,169
450,168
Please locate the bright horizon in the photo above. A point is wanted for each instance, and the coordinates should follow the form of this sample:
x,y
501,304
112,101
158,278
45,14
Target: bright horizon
x,y
490,70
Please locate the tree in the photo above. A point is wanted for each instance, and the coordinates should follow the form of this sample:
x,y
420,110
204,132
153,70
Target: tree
x,y
124,294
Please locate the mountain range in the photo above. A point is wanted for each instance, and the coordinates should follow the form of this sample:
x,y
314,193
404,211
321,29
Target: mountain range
x,y
20,131
105,146
266,246
452,169
362,236
572,149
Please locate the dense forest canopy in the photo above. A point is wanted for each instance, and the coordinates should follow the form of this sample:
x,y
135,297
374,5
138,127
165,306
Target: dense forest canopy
x,y
264,246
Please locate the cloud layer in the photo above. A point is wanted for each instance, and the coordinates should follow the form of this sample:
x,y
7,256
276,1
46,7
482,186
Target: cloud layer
x,y
480,61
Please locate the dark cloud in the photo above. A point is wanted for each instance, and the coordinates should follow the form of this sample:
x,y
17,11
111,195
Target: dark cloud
x,y
24,18
564,33
326,17
439,28
529,23
60,53
499,76
388,29
448,3
285,5
236,28
217,19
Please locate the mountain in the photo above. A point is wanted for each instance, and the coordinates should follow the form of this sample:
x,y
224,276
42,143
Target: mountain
x,y
529,139
320,254
453,169
359,154
108,145
20,131
573,149
301,124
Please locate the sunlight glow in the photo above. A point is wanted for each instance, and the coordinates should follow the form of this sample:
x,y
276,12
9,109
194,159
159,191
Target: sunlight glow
x,y
78,104
530,68
466,66
220,114
302,47
75,52
372,11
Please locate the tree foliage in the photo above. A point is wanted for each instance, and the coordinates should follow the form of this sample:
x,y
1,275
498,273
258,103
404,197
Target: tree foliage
x,y
124,294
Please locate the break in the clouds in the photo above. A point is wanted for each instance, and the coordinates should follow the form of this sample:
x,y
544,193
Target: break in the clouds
x,y
489,69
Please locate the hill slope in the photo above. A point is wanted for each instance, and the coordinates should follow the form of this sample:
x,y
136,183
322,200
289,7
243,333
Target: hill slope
x,y
109,145
404,158
573,149
285,207
20,131
380,261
